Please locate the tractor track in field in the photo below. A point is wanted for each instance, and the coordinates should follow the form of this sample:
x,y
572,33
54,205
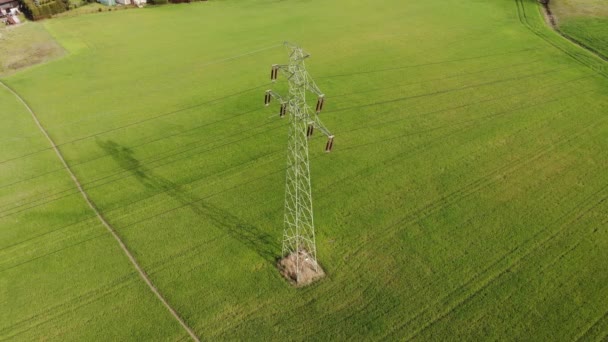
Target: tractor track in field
x,y
509,255
144,276
589,330
453,197
461,193
462,296
63,308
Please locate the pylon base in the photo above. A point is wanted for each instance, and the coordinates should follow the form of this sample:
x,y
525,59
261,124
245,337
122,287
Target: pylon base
x,y
308,273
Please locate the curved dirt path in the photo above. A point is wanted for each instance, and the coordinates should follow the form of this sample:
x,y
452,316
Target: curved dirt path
x,y
109,227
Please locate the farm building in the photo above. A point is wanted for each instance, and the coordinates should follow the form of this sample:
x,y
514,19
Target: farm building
x,y
6,5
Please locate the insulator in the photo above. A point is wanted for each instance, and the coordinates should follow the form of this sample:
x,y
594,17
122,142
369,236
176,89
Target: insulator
x,y
320,103
310,130
274,72
283,109
330,143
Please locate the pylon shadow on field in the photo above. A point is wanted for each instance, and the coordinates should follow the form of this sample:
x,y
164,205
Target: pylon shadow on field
x,y
249,235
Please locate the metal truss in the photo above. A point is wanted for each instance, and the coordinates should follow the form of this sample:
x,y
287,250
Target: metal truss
x,y
299,230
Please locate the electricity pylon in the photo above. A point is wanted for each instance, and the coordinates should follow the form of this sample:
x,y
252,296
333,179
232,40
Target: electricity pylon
x,y
299,231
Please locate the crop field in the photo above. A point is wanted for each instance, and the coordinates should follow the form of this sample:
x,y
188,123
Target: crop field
x,y
585,21
466,197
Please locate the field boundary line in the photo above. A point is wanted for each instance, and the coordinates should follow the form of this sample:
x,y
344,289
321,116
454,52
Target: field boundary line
x,y
591,63
546,9
105,223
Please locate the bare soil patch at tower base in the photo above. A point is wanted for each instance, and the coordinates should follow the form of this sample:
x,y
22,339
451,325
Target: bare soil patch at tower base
x,y
309,270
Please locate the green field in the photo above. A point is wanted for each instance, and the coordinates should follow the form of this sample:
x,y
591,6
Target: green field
x,y
466,197
585,21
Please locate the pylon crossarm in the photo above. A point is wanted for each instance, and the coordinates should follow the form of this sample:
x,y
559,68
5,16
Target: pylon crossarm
x,y
294,48
274,72
311,86
320,126
276,96
268,97
323,130
283,67
290,45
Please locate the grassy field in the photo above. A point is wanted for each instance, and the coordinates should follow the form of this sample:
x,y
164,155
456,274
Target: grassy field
x,y
59,272
466,197
586,21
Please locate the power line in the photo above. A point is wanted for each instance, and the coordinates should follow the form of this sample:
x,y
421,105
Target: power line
x,y
123,171
557,99
157,140
388,139
209,63
427,64
169,163
335,97
392,86
488,99
258,88
473,86
256,179
238,93
134,146
135,123
141,199
237,115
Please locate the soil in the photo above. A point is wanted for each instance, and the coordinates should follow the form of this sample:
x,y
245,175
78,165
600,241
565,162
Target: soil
x,y
549,17
309,270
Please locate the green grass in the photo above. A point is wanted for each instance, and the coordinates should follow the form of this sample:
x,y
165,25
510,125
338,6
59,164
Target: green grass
x,y
465,198
585,21
60,270
591,32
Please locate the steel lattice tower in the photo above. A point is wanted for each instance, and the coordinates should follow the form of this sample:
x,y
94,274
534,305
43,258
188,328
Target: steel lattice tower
x,y
299,229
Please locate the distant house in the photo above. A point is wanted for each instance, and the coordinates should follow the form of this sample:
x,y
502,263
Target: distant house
x,y
13,20
121,2
6,5
138,3
131,2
